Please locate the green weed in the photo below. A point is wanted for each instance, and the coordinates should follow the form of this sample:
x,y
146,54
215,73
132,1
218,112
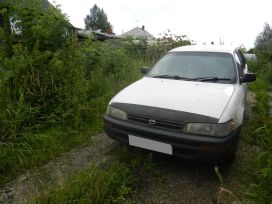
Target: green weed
x,y
93,185
112,182
54,89
260,132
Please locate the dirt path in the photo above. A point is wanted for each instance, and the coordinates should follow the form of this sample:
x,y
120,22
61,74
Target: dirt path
x,y
180,181
57,171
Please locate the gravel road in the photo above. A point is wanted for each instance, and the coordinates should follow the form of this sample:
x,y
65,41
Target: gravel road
x,y
181,181
57,171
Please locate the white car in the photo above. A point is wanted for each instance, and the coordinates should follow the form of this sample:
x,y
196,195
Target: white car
x,y
190,104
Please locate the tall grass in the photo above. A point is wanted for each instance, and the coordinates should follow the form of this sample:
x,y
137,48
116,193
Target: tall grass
x,y
260,134
52,101
55,90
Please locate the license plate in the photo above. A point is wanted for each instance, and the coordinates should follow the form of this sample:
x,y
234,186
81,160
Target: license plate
x,y
150,144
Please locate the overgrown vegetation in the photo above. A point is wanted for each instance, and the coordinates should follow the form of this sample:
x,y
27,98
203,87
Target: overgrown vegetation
x,y
113,182
260,136
261,124
52,94
53,89
94,185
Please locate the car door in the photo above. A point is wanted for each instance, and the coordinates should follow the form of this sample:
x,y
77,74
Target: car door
x,y
242,69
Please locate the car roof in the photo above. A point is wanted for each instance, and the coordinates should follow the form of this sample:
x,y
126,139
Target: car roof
x,y
204,48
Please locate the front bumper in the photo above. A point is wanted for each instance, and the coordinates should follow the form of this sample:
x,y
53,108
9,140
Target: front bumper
x,y
188,146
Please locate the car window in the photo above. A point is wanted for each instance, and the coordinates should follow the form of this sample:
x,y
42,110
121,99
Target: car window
x,y
239,65
241,59
195,65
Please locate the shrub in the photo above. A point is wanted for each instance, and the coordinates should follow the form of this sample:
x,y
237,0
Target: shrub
x,y
260,135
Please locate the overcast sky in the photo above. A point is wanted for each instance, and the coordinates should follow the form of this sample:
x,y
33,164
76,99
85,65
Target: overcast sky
x,y
236,22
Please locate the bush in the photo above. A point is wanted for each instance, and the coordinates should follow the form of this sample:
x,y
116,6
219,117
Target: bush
x,y
41,88
53,89
260,189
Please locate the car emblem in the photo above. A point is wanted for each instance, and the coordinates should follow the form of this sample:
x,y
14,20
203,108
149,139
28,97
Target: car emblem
x,y
152,122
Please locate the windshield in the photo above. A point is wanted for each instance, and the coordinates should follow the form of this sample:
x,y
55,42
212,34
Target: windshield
x,y
203,66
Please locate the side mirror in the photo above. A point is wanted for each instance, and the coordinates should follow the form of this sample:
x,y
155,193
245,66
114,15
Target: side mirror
x,y
145,70
248,77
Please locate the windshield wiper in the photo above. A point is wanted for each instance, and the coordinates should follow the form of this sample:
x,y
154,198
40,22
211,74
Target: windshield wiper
x,y
166,76
212,79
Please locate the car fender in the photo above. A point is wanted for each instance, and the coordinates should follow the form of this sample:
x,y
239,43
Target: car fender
x,y
235,108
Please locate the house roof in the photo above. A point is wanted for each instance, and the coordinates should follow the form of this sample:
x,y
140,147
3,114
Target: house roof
x,y
81,33
138,33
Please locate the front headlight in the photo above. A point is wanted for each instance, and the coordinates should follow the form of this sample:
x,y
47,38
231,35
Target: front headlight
x,y
219,129
116,113
200,128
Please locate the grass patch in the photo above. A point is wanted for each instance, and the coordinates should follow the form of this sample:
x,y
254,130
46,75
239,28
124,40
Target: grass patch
x,y
260,132
94,185
111,182
50,106
34,149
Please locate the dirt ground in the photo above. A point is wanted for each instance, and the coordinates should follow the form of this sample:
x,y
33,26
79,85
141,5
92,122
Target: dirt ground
x,y
56,171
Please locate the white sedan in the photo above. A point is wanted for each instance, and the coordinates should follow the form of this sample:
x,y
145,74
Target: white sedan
x,y
190,104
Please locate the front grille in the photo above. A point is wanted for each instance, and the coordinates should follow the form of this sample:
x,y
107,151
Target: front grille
x,y
159,123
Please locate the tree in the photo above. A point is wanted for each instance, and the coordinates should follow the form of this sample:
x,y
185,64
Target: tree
x,y
263,44
264,39
97,19
242,48
29,23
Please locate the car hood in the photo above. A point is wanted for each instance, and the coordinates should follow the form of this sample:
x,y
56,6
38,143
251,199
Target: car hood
x,y
203,98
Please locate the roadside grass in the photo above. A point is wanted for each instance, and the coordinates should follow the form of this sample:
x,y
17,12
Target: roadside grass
x,y
260,137
35,145
34,149
111,182
94,185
